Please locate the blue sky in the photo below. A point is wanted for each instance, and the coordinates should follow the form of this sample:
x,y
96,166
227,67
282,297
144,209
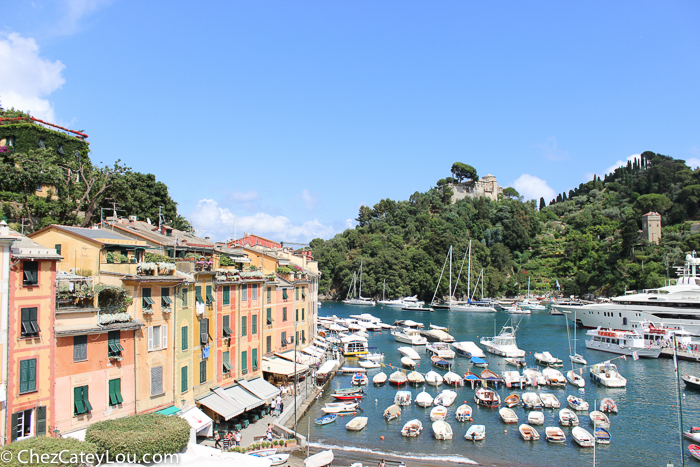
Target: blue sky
x,y
290,115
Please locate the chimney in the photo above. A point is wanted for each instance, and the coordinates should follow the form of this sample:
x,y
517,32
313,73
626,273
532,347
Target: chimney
x,y
4,229
207,238
132,219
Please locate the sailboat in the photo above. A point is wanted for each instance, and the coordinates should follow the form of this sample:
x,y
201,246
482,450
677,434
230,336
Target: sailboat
x,y
575,357
359,299
437,305
470,306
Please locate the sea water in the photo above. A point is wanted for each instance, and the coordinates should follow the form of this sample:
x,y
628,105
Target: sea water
x,y
644,432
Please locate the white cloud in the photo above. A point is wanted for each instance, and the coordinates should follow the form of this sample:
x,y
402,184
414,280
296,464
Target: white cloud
x,y
621,163
350,223
551,150
212,220
693,162
76,10
531,187
26,78
310,200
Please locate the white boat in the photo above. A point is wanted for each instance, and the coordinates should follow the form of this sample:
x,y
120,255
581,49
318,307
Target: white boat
x,y
503,344
436,335
575,357
360,379
354,345
357,423
340,409
398,378
554,377
412,301
599,419
407,362
368,364
433,378
512,401
358,299
528,433
516,309
514,379
487,398
621,343
423,399
575,379
415,378
412,428
409,352
446,398
407,323
508,415
535,418
468,349
555,434
472,307
403,398
409,336
439,412
392,412
606,374
475,433
576,403
568,417
453,379
534,377
441,328
464,413
546,358
531,400
441,349
583,437
442,430
320,459
550,401
379,378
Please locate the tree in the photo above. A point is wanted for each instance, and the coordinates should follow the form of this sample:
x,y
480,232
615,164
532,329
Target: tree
x,y
543,204
511,193
653,202
464,172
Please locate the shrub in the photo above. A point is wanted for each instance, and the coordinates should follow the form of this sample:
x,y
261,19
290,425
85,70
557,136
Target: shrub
x,y
43,444
156,258
139,435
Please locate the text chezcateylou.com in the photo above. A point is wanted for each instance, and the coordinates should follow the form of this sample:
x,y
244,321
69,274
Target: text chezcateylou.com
x,y
29,456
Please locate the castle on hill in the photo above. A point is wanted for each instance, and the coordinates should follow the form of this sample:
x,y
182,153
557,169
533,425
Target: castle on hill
x,y
487,187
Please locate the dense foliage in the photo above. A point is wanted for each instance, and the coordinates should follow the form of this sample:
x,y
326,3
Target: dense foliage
x,y
70,449
588,241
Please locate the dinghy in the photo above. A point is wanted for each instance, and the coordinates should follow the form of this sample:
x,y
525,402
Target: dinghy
x,y
439,362
403,398
349,391
326,419
546,358
409,352
576,403
599,419
528,433
608,405
357,423
555,434
415,378
379,378
359,379
433,378
583,437
348,396
568,417
424,399
508,415
575,379
512,400
490,377
398,378
693,433
602,436
407,362
475,433
518,362
392,412
446,398
412,428
535,418
550,401
453,379
442,430
464,413
472,379
487,398
320,459
368,364
554,377
438,412
480,362
532,401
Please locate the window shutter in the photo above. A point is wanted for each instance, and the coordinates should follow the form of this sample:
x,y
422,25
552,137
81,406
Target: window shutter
x,y
78,400
86,400
204,331
225,326
23,376
41,420
254,324
244,326
226,294
150,338
269,344
244,361
284,339
183,379
156,381
255,359
13,428
164,331
32,375
184,338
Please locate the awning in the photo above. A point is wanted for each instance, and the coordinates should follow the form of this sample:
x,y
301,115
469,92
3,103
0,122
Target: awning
x,y
279,366
2,392
226,407
328,366
260,388
197,419
243,397
172,410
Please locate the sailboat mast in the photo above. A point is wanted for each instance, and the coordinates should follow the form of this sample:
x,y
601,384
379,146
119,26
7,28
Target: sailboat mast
x,y
469,271
383,290
360,296
680,399
450,286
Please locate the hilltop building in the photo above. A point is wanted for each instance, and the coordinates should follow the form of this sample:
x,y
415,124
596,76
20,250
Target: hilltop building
x,y
486,186
651,227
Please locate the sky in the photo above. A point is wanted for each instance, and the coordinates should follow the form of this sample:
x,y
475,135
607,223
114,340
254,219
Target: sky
x,y
282,118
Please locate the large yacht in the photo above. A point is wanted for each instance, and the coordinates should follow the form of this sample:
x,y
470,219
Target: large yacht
x,y
675,306
503,344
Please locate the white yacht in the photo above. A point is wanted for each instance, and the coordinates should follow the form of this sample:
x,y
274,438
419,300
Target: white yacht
x,y
358,299
503,344
606,374
409,352
441,349
468,349
621,342
408,336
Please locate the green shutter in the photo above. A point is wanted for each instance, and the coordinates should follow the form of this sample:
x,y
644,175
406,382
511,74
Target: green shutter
x,y
254,324
13,428
226,327
184,296
255,359
269,316
227,297
78,400
41,420
244,326
183,379
296,292
284,313
284,294
210,298
269,294
198,294
302,314
225,360
244,362
284,339
27,375
58,248
268,341
88,407
203,371
184,338
115,392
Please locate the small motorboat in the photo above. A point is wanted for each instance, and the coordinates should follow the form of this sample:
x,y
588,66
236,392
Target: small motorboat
x,y
490,377
583,437
534,377
357,423
512,400
439,362
348,396
599,419
446,398
480,362
349,391
407,362
415,378
694,451
575,378
578,358
412,428
487,398
398,378
568,417
555,434
468,349
409,352
442,430
602,436
464,413
326,419
528,433
439,328
554,377
359,379
346,404
475,433
547,359
508,415
576,403
608,405
340,409
514,379
531,400
403,398
517,362
606,374
693,433
379,378
439,412
433,378
368,364
550,401
440,349
453,379
472,379
392,412
691,381
535,418
423,399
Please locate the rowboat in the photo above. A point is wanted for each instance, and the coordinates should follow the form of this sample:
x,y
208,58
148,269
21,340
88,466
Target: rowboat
x,y
446,398
415,378
575,379
576,403
550,401
326,419
340,409
487,398
555,434
439,362
472,378
490,377
528,433
602,436
480,362
349,391
412,428
403,398
608,405
357,423
475,433
512,400
407,362
532,401
433,378
379,378
583,437
453,379
423,399
599,419
347,397
438,412
392,412
398,378
535,418
442,430
508,415
464,413
567,417
320,459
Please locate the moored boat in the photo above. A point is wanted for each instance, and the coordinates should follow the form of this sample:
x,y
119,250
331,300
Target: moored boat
x,y
606,374
568,417
348,397
379,378
691,381
446,398
433,378
550,401
576,403
518,362
453,379
357,423
464,413
398,378
508,415
512,400
513,378
439,362
621,343
369,364
359,379
475,433
472,378
599,419
693,433
602,436
412,428
487,398
547,359
440,349
503,344
409,352
403,398
442,430
392,412
534,377
320,459
554,377
415,378
341,408
423,399
583,437
490,377
480,362
326,419
468,349
528,433
531,400
608,405
407,362
575,379
535,418
439,412
408,336
555,434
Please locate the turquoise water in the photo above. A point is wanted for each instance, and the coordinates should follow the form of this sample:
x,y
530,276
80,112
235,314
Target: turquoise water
x,y
644,432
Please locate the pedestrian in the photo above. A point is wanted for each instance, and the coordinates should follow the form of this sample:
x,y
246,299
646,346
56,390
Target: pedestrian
x,y
273,406
217,440
381,463
237,437
281,407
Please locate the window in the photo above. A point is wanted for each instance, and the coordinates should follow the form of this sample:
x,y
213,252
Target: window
x,y
244,362
255,291
27,375
30,273
269,294
165,301
183,296
226,294
254,324
244,325
23,423
226,328
202,371
115,392
114,343
210,297
30,326
184,337
244,293
284,313
204,331
269,316
147,300
225,359
296,314
268,344
81,404
303,336
158,337
58,248
284,294
198,294
284,339
79,348
302,314
255,359
156,381
183,379
296,292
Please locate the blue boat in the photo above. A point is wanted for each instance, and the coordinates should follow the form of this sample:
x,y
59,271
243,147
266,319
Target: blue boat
x,y
602,436
326,419
480,362
440,362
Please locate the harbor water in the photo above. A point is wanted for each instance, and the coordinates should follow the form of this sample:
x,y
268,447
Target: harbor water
x,y
645,432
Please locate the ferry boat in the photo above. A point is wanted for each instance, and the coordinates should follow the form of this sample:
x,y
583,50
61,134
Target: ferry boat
x,y
621,343
503,344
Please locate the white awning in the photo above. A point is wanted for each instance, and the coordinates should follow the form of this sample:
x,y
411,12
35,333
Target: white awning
x,y
197,419
328,366
243,397
279,366
260,388
225,407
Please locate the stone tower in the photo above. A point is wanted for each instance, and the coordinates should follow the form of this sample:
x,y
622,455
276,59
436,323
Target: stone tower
x,y
651,227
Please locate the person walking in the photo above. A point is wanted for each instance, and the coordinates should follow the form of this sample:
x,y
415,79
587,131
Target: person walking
x,y
237,437
217,440
273,406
